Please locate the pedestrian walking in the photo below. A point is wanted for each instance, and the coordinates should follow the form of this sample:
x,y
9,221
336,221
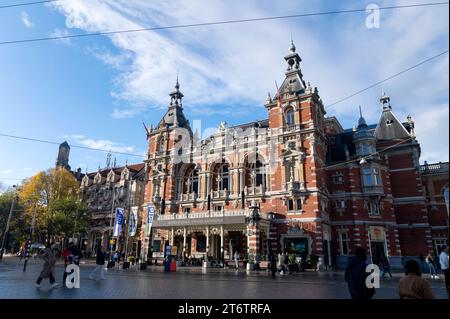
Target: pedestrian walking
x,y
386,266
49,257
443,260
100,262
236,259
413,286
431,267
273,264
355,276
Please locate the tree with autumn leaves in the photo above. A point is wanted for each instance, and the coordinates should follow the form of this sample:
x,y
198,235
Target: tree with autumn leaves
x,y
52,197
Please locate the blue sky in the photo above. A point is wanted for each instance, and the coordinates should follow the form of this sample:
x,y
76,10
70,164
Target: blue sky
x,y
97,91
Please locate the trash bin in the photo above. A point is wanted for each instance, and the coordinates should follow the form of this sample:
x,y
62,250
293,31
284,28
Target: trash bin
x,y
173,266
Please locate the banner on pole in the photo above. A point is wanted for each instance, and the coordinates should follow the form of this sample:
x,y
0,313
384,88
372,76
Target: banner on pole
x,y
150,215
132,228
376,233
118,223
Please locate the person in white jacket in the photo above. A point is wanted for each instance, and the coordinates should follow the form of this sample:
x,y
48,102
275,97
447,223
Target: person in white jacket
x,y
443,260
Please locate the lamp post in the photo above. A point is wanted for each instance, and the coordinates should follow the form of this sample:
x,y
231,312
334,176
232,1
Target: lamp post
x,y
446,198
111,222
30,240
6,234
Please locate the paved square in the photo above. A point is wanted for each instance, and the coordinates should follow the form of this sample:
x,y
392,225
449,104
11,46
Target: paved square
x,y
187,283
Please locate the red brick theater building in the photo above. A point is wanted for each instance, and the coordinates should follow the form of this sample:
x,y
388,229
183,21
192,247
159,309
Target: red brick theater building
x,y
295,182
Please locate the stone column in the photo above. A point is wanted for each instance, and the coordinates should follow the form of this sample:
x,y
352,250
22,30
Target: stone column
x,y
208,184
221,243
253,241
184,243
201,187
241,180
205,264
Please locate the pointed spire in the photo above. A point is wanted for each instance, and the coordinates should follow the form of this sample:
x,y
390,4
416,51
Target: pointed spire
x,y
268,99
361,122
176,96
293,59
385,101
177,85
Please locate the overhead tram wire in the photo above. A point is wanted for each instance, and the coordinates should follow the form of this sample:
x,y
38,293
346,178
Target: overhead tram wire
x,y
6,6
301,15
386,79
75,146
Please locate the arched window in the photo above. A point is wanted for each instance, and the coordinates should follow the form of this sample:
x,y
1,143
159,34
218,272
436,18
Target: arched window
x,y
191,182
290,117
223,177
257,174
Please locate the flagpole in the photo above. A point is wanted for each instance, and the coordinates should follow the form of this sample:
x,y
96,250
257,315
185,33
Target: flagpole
x,y
111,222
128,219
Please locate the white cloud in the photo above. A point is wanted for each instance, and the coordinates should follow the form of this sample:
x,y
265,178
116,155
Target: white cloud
x,y
105,145
8,171
61,33
237,64
27,169
26,20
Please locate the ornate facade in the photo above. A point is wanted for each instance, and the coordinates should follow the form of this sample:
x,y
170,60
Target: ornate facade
x,y
296,182
105,190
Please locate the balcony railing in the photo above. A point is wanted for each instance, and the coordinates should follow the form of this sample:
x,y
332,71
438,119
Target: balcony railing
x,y
188,197
434,168
374,189
255,190
220,194
203,215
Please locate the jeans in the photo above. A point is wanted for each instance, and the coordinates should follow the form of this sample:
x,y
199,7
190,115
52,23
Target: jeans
x,y
447,279
102,271
388,270
432,269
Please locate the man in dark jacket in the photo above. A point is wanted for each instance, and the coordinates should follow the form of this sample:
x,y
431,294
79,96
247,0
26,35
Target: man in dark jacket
x,y
100,261
355,276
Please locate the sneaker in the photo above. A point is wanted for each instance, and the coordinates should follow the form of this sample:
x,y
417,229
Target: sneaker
x,y
436,277
38,285
55,285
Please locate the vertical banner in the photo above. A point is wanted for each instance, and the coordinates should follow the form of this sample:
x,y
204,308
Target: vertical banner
x,y
150,215
133,221
119,222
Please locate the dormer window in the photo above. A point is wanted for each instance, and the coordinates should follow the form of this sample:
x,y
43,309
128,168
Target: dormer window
x,y
389,122
371,176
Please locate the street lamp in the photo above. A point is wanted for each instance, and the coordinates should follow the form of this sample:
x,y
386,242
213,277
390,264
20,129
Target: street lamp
x,y
6,234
